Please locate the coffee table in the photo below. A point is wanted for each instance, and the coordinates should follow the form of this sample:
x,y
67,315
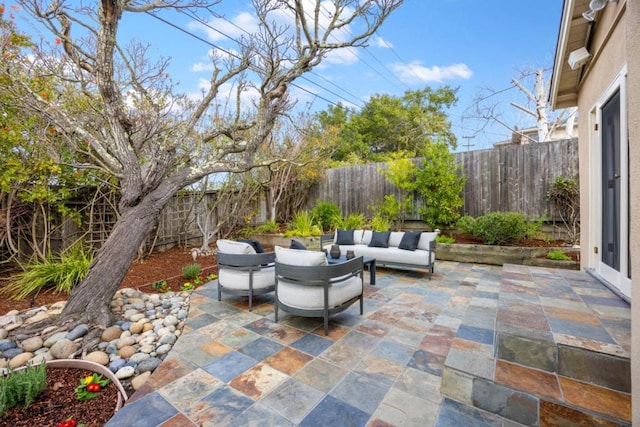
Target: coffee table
x,y
369,263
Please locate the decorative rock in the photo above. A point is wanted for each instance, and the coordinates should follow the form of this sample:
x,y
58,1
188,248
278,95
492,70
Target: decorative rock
x,y
148,348
99,357
123,342
111,333
137,317
3,333
138,381
3,363
116,365
21,337
63,349
170,321
163,349
32,344
49,329
12,352
169,338
138,357
77,332
20,359
6,345
136,328
125,372
127,351
148,364
38,317
54,339
125,325
39,358
147,327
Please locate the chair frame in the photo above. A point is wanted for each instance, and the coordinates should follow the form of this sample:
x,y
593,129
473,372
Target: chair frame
x,y
248,263
321,275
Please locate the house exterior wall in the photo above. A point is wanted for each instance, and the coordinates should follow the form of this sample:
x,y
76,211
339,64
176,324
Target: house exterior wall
x,y
609,57
633,101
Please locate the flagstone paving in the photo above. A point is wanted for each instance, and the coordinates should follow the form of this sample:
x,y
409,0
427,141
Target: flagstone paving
x,y
512,343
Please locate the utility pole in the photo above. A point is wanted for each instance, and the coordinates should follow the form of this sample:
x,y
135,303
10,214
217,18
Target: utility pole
x,y
468,144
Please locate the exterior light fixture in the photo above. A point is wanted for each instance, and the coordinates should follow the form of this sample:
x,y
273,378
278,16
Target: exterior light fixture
x,y
594,7
579,57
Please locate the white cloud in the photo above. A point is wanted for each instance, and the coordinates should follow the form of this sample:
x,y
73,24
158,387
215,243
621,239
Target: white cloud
x,y
415,72
380,42
220,55
218,29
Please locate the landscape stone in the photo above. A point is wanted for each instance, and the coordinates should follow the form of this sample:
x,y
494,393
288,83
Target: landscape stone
x,y
99,357
20,359
149,364
125,341
12,352
32,344
136,328
125,372
138,381
111,333
63,349
77,332
116,364
6,345
127,351
3,333
54,339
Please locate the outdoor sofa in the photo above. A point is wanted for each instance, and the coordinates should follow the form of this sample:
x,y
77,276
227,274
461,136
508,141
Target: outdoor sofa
x,y
403,249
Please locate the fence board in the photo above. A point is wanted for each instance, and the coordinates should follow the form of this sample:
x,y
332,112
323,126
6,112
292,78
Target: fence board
x,y
512,178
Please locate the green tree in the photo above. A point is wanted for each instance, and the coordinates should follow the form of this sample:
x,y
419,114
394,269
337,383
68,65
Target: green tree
x,y
440,183
388,124
125,115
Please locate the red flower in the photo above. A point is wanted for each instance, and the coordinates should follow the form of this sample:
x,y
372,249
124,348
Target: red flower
x,y
93,387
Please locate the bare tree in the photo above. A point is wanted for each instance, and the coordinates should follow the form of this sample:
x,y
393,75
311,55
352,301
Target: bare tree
x,y
487,108
121,112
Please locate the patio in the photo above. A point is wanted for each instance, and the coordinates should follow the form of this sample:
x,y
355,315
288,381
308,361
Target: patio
x,y
476,345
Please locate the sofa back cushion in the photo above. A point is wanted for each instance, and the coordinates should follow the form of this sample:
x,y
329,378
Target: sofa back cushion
x,y
231,247
395,238
300,257
366,237
425,238
257,246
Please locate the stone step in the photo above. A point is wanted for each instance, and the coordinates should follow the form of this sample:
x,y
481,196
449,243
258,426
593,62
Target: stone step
x,y
543,349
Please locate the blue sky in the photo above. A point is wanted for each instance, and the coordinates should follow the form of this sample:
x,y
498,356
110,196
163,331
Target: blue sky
x,y
470,44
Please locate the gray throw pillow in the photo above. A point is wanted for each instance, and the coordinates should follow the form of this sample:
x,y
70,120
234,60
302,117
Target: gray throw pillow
x,y
297,245
253,242
345,237
410,240
380,239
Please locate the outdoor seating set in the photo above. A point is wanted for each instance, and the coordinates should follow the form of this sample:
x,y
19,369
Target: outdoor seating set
x,y
310,283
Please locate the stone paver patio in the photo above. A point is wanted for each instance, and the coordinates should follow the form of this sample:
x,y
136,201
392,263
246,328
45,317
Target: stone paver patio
x,y
476,345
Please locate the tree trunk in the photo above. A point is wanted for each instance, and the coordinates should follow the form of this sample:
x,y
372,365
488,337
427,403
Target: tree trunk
x,y
89,301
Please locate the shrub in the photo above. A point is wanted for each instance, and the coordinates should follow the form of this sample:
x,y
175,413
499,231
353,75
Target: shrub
x,y
22,387
191,271
62,272
564,196
558,255
380,223
327,214
161,286
352,222
268,227
497,228
445,239
303,225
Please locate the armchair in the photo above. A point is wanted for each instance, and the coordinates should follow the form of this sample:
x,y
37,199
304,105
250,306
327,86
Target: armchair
x,y
245,274
307,286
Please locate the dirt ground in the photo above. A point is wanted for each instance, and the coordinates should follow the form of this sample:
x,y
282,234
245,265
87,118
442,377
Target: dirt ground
x,y
165,265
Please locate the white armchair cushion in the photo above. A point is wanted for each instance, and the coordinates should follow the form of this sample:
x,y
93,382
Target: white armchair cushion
x,y
233,247
236,279
300,257
312,297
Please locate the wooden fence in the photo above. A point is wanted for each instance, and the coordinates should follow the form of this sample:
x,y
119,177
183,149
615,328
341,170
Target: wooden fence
x,y
510,178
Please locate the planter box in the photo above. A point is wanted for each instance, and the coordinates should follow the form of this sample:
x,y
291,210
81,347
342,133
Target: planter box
x,y
499,255
312,243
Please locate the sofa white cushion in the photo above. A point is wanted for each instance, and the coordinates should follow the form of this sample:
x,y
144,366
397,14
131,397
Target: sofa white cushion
x,y
425,238
357,236
300,257
312,297
366,237
233,247
395,238
236,279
